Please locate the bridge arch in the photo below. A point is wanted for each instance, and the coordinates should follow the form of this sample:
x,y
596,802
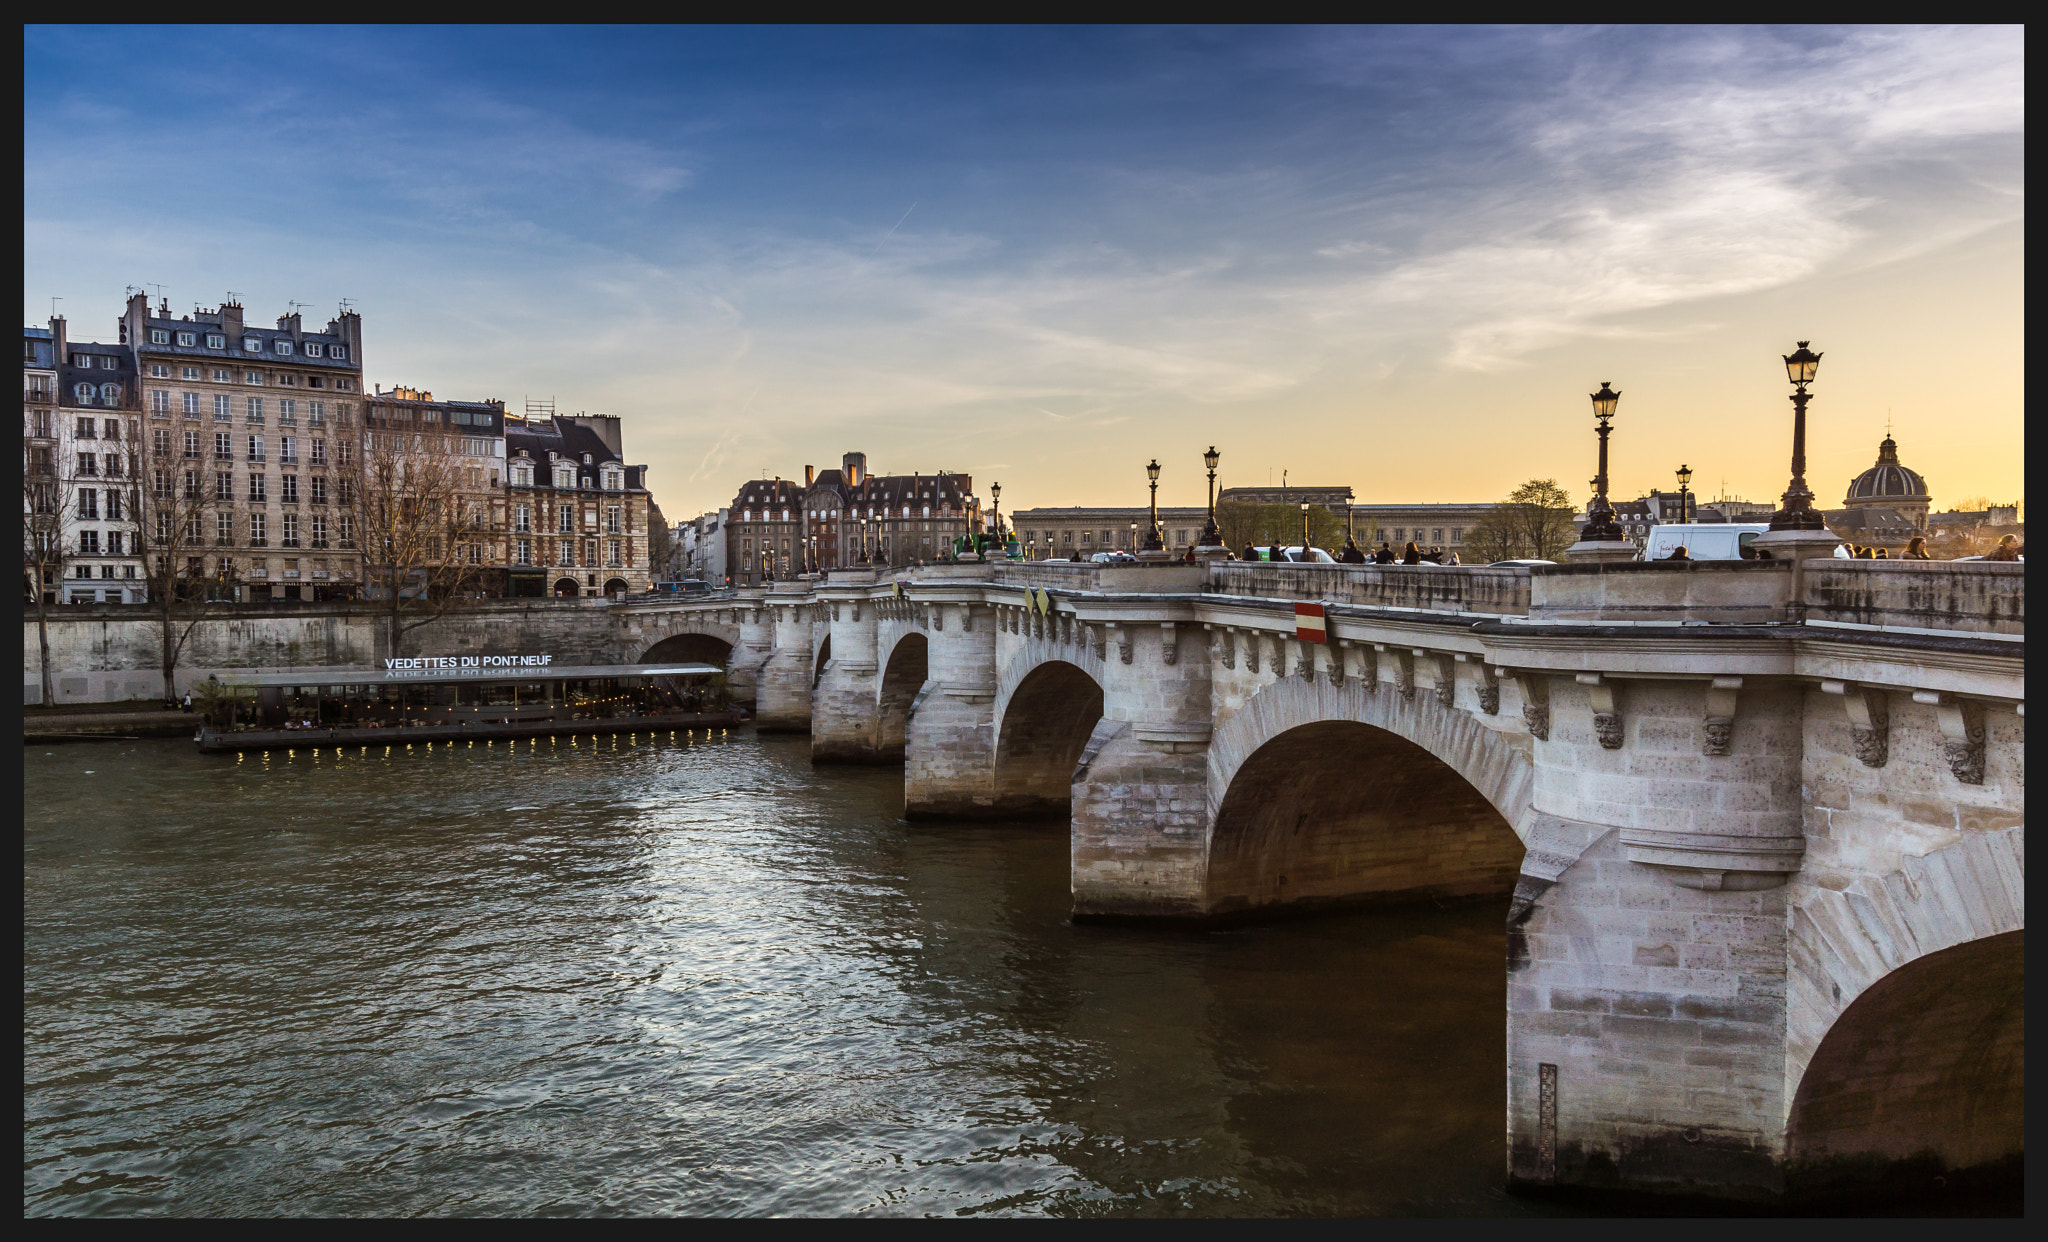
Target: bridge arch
x,y
1046,710
1321,793
692,647
1906,1017
903,676
820,659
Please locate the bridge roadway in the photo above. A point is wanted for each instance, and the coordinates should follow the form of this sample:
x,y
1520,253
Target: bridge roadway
x,y
1760,827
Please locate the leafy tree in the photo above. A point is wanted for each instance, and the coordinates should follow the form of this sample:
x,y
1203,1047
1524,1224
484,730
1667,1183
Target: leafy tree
x,y
1533,523
1265,525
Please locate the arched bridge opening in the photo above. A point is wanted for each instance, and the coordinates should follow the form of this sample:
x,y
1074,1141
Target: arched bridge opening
x,y
1043,732
1339,811
1922,1076
908,668
689,649
819,661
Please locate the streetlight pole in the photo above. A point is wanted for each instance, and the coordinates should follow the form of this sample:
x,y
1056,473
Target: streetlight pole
x,y
1212,536
1600,524
1153,541
1796,511
995,495
1304,530
1684,499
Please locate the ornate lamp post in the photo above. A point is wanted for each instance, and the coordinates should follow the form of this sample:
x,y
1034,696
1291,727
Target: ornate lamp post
x,y
1600,524
995,496
1212,535
1684,499
1153,541
1797,511
1304,530
863,540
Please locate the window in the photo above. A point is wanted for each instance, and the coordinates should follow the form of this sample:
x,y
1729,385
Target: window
x,y
565,475
568,553
288,449
287,410
319,452
190,373
345,531
223,529
158,370
188,339
83,393
252,409
89,545
88,429
160,483
319,489
338,351
192,404
1457,534
163,527
617,551
522,518
259,528
224,485
215,340
347,452
288,531
88,463
223,407
319,530
159,336
252,377
89,503
283,346
611,520
114,542
313,349
252,345
288,489
257,489
523,553
255,448
191,444
565,520
159,402
110,394
1436,535
316,412
347,491
614,480
522,476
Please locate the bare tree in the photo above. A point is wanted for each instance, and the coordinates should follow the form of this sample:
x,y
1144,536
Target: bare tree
x,y
47,494
168,499
1534,522
1265,525
660,543
421,531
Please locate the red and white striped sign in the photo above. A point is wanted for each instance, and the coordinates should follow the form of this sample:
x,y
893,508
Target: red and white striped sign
x,y
1309,626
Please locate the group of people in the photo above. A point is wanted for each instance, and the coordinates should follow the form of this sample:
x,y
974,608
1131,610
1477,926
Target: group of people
x,y
1352,554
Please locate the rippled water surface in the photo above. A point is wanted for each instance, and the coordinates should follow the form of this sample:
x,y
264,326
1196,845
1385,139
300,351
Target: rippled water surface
x,y
676,978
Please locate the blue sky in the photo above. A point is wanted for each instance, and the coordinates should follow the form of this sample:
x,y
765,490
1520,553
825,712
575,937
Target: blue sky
x,y
1393,258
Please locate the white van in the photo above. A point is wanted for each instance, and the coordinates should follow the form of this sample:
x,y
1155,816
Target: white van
x,y
1703,541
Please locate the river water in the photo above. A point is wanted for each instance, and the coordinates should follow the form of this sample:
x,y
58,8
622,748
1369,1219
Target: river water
x,y
695,977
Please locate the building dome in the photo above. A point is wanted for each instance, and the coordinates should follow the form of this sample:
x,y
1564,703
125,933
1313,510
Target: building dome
x,y
1888,482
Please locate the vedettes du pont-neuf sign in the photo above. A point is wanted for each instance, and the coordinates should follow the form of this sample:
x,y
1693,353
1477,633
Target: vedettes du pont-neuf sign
x,y
457,664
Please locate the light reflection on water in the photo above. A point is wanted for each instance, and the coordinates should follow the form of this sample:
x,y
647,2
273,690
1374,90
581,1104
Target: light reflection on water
x,y
670,978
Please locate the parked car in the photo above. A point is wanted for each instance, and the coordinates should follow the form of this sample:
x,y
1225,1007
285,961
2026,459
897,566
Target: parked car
x,y
1114,558
1314,556
1703,541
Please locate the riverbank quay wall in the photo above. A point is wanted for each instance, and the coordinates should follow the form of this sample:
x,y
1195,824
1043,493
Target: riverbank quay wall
x,y
113,653
1758,828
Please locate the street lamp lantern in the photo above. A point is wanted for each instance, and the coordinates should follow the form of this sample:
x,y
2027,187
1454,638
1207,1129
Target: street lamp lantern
x,y
995,497
1154,541
1684,482
1600,524
1796,511
1304,530
1802,364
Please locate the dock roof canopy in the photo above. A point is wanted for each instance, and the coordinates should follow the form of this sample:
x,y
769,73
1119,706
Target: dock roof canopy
x,y
444,676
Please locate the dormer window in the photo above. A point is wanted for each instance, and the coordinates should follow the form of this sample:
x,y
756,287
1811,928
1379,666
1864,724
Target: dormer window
x,y
216,340
337,351
159,336
188,339
84,394
252,345
283,346
313,349
110,394
614,480
522,476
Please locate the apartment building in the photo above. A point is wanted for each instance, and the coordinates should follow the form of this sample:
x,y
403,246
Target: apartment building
x,y
453,453
81,457
577,514
777,528
269,419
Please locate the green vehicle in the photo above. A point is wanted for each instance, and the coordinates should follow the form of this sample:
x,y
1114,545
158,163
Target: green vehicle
x,y
984,547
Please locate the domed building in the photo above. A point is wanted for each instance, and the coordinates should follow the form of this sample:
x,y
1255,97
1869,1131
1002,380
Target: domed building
x,y
1886,505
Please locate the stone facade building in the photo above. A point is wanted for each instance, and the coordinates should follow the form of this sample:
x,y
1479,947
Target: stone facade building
x,y
778,528
270,419
1886,505
1335,499
89,428
466,442
1059,533
576,513
1429,526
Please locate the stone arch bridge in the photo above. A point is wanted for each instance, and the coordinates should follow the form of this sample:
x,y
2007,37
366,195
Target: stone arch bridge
x,y
1759,827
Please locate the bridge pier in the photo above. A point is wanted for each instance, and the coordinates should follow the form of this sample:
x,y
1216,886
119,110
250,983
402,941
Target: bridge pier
x,y
782,691
757,641
949,736
845,721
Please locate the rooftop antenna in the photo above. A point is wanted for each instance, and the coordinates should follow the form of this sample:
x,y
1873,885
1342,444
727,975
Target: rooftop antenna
x,y
347,305
295,304
53,306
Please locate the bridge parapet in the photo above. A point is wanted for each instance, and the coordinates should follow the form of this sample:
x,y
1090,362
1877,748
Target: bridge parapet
x,y
1723,592
1974,597
1433,588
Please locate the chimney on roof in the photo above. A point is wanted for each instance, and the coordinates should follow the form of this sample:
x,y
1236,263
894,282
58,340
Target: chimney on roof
x,y
855,465
810,475
231,320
